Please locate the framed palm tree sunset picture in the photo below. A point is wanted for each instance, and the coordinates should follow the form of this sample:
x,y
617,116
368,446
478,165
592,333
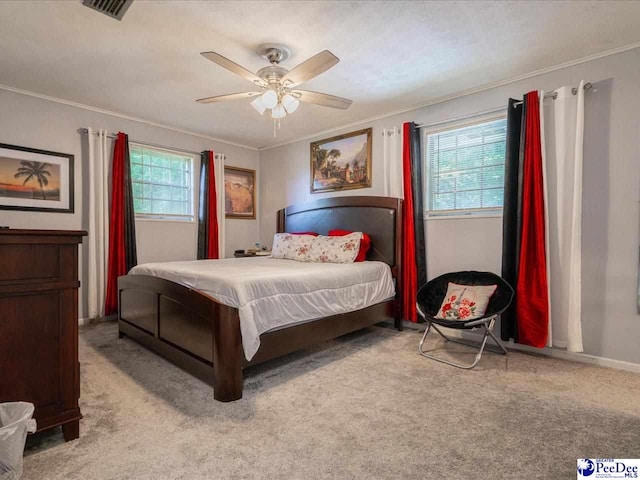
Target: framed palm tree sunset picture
x,y
36,180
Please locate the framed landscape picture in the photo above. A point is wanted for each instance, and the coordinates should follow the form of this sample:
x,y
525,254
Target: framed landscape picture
x,y
239,193
35,180
341,162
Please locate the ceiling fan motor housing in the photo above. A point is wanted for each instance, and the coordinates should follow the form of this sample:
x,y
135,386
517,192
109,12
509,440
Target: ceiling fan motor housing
x,y
272,74
274,52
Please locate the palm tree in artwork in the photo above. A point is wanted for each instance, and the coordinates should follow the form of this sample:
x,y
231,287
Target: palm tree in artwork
x,y
34,170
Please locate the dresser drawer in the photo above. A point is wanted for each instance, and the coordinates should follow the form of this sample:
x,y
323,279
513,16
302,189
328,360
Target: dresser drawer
x,y
29,263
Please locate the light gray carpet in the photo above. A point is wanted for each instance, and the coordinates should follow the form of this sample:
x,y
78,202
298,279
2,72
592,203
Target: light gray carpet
x,y
366,406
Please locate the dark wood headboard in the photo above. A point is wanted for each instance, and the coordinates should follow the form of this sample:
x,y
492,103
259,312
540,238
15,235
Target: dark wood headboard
x,y
380,217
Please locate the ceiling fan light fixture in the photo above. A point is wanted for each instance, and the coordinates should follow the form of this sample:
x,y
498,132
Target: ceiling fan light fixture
x,y
269,99
259,105
278,111
290,103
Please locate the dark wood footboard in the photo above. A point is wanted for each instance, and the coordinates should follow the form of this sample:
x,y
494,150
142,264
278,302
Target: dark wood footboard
x,y
202,336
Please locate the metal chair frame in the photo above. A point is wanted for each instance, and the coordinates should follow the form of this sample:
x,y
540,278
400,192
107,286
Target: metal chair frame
x,y
485,323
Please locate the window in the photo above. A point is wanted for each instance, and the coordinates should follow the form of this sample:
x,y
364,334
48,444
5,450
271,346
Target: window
x,y
465,168
162,183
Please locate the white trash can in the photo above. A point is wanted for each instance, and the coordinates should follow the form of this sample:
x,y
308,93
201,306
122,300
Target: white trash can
x,y
15,422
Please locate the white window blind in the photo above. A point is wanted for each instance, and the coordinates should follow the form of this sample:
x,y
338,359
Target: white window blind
x,y
162,183
465,168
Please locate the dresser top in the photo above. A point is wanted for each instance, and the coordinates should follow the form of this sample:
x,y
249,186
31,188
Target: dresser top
x,y
49,233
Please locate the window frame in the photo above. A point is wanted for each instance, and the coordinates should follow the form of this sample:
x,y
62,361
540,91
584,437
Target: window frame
x,y
480,212
170,217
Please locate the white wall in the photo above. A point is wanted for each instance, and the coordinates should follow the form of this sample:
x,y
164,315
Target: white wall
x,y
39,123
611,227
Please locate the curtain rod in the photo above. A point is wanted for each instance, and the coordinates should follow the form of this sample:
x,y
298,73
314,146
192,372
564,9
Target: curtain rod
x,y
464,117
554,94
114,136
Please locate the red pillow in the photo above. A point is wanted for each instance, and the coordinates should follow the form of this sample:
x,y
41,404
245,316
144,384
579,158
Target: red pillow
x,y
304,233
365,243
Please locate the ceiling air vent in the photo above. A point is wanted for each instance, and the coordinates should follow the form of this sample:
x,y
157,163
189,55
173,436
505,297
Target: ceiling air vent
x,y
113,8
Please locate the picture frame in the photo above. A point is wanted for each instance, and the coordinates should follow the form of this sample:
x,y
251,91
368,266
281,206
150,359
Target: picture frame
x,y
36,180
239,193
342,162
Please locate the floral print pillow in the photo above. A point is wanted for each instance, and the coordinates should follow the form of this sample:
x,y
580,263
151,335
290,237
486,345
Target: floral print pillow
x,y
342,249
291,246
465,302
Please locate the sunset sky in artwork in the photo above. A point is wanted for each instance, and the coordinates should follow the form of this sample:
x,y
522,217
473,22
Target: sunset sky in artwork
x,y
9,166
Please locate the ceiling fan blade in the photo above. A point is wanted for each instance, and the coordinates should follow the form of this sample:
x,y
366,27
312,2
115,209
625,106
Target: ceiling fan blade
x,y
233,67
323,99
231,96
310,68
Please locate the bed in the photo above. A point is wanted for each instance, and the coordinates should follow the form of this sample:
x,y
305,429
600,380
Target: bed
x,y
181,320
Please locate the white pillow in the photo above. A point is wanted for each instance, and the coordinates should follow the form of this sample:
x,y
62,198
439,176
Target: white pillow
x,y
292,247
337,249
465,302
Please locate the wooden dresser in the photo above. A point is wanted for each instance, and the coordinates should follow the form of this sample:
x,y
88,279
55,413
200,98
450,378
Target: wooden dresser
x,y
39,324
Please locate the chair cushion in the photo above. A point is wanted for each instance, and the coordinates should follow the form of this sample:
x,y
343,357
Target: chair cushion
x,y
465,302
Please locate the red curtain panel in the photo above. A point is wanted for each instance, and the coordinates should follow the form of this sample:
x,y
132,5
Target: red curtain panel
x,y
208,247
122,239
409,271
532,306
212,241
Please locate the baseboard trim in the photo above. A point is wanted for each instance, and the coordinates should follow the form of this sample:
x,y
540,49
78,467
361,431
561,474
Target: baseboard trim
x,y
556,353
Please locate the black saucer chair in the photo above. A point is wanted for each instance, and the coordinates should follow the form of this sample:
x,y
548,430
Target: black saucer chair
x,y
430,298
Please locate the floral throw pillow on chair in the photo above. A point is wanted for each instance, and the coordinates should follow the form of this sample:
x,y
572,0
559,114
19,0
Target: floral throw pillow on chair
x,y
465,302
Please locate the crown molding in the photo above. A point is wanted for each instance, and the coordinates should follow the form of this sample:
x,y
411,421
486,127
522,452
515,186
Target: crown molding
x,y
428,103
464,93
120,115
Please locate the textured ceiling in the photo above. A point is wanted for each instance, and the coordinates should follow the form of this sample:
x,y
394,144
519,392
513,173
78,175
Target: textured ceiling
x,y
394,55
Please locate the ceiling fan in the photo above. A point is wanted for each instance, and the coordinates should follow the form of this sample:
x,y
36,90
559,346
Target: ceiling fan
x,y
276,84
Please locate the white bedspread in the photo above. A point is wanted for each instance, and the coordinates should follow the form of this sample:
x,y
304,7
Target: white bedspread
x,y
270,293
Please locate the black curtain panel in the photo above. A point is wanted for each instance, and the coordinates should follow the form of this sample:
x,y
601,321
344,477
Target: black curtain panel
x,y
131,254
417,184
203,210
512,218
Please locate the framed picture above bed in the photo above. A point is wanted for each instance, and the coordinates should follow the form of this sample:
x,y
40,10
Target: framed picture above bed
x,y
239,193
35,180
341,162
